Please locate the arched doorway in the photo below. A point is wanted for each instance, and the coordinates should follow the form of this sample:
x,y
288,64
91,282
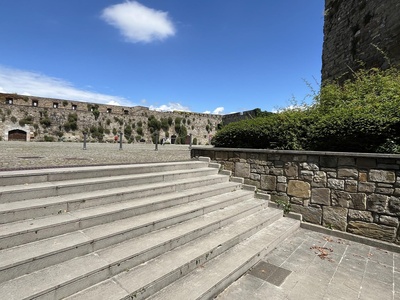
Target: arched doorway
x,y
17,135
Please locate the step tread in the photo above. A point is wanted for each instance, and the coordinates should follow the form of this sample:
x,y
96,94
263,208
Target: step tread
x,y
90,169
136,281
81,267
200,283
33,251
40,202
104,180
40,223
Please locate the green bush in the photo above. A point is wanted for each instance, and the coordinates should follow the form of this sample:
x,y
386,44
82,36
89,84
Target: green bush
x,y
360,115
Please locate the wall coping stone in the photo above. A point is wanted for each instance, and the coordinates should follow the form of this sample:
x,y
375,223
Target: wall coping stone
x,y
300,152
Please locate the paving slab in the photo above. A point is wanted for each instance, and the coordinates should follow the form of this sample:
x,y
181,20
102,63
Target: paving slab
x,y
319,266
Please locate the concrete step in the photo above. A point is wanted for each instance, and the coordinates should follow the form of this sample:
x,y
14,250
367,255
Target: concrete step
x,y
36,208
211,278
148,278
8,178
59,188
33,256
61,280
18,233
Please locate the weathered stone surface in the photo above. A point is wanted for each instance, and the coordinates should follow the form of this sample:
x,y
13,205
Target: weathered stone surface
x,y
390,221
394,205
299,189
279,198
382,176
347,161
281,187
229,166
347,173
242,170
276,171
372,230
310,214
377,203
335,217
309,166
340,198
336,184
282,179
367,187
268,182
358,201
291,169
321,196
306,175
360,215
328,162
255,176
351,186
319,179
363,177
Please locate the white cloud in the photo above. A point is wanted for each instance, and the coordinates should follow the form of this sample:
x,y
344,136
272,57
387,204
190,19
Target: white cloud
x,y
171,106
138,23
36,84
218,110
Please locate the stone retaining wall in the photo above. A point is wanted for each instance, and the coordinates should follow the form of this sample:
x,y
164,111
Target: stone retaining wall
x,y
353,192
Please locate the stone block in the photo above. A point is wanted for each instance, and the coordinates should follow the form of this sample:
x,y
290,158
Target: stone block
x,y
328,161
276,171
358,201
360,215
242,169
280,198
366,162
372,230
291,170
366,187
229,166
268,182
306,175
346,161
310,214
255,176
340,198
335,217
321,196
309,166
377,203
390,221
336,184
281,187
300,189
347,173
351,186
319,179
382,176
282,179
394,205
363,177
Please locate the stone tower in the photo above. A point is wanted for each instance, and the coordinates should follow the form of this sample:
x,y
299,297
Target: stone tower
x,y
360,33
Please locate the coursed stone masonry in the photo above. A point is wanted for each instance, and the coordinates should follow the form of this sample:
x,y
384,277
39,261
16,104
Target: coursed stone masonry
x,y
354,192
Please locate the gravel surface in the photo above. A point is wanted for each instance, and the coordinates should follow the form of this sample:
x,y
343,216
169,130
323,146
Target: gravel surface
x,y
28,155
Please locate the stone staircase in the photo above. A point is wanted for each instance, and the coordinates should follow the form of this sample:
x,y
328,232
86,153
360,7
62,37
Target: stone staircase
x,y
180,230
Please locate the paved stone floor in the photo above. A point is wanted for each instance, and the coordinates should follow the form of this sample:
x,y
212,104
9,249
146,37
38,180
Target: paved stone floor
x,y
16,155
319,266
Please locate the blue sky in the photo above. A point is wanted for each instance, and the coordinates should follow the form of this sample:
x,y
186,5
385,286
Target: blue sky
x,y
215,56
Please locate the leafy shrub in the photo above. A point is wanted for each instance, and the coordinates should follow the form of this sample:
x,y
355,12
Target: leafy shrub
x,y
360,115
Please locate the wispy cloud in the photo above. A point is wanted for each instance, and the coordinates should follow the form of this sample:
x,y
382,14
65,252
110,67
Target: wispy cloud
x,y
138,23
217,111
171,106
36,84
